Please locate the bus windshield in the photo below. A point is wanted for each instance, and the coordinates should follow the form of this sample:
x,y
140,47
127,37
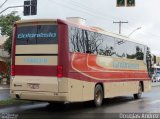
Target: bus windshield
x,y
37,34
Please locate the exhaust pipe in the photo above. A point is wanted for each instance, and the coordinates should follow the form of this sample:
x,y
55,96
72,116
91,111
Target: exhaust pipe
x,y
17,96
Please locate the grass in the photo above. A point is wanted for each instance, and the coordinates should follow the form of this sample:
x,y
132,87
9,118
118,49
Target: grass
x,y
11,101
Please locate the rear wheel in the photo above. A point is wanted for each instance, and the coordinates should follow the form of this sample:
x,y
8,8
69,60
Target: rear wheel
x,y
139,94
98,95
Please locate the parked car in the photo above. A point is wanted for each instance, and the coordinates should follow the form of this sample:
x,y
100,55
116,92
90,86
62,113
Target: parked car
x,y
156,77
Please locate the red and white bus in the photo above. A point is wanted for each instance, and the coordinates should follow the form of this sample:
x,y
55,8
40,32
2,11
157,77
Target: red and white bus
x,y
59,61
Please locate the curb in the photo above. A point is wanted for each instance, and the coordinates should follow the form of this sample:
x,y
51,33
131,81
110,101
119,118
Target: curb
x,y
4,88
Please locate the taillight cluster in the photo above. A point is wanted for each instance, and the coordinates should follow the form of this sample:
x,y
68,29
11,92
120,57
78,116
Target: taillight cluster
x,y
13,70
59,71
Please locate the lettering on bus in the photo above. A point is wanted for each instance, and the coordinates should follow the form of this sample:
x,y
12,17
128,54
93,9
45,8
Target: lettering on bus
x,y
125,65
40,35
35,60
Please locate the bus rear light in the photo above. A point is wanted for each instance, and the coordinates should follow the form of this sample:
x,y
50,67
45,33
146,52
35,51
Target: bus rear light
x,y
13,70
59,71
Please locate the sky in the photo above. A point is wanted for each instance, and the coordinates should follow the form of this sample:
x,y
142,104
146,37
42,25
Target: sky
x,y
102,13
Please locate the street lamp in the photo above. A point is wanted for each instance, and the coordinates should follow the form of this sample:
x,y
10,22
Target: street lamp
x,y
134,31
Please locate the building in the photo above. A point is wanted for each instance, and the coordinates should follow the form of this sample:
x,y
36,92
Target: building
x,y
158,61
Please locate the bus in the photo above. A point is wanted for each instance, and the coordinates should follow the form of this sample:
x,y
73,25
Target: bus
x,y
54,60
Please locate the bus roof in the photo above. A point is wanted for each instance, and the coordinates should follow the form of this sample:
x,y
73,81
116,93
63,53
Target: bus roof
x,y
94,29
35,21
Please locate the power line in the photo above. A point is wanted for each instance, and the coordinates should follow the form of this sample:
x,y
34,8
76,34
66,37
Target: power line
x,y
80,7
10,7
87,12
91,11
79,10
3,3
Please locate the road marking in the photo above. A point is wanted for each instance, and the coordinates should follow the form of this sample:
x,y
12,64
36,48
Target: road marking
x,y
153,110
154,102
135,101
146,101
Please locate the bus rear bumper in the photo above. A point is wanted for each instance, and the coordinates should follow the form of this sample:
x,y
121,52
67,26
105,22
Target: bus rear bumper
x,y
40,96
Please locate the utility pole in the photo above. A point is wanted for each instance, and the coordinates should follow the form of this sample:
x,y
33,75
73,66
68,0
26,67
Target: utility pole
x,y
120,22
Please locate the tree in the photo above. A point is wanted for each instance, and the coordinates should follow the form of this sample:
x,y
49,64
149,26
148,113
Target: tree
x,y
6,26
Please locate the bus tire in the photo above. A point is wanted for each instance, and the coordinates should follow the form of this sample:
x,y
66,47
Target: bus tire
x,y
139,94
98,95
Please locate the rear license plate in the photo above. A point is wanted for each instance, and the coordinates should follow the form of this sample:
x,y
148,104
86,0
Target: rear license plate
x,y
33,85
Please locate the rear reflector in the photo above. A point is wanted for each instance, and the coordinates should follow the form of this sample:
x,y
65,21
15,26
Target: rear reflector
x,y
13,70
59,71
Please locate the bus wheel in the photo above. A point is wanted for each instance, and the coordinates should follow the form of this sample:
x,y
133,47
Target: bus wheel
x,y
139,94
98,95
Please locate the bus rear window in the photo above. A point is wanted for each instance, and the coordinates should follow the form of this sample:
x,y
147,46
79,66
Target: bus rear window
x,y
40,34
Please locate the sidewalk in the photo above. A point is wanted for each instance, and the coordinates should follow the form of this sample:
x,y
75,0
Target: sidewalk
x,y
155,84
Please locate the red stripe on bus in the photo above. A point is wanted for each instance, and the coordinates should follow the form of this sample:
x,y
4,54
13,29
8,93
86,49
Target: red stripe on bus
x,y
34,70
79,76
110,75
31,70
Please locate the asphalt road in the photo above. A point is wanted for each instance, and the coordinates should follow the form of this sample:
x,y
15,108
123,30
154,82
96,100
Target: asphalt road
x,y
150,103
